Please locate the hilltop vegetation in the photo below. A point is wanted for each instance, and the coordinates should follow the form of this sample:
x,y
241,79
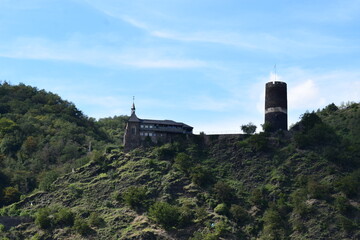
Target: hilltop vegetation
x,y
42,137
301,184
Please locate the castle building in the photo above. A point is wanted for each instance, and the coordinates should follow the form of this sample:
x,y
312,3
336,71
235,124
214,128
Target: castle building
x,y
276,117
139,130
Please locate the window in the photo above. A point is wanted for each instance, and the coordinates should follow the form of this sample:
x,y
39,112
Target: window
x,y
150,134
141,134
133,130
142,126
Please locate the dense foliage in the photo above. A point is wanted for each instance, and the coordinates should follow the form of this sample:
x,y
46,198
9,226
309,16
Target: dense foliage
x,y
41,136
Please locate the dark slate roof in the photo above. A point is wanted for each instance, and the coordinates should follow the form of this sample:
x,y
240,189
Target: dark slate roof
x,y
134,118
164,122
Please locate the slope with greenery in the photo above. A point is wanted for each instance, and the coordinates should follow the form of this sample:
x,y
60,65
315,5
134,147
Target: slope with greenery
x,y
41,137
301,184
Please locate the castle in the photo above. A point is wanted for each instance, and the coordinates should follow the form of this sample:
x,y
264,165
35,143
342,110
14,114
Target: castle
x,y
138,131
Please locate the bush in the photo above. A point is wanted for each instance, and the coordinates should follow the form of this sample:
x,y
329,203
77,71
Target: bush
x,y
257,197
183,162
239,214
258,142
249,128
350,184
346,224
201,175
221,209
317,190
47,179
95,220
165,214
64,217
186,216
342,204
82,227
10,195
75,190
2,228
135,197
165,152
43,219
274,225
224,192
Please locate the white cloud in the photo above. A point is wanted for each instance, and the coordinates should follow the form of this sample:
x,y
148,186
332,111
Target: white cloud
x,y
305,94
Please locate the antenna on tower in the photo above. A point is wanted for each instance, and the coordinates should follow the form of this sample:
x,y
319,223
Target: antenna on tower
x,y
275,71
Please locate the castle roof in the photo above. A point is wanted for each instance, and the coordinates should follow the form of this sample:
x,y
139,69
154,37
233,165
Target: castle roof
x,y
165,122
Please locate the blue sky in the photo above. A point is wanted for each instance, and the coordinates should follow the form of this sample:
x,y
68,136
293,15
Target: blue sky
x,y
202,62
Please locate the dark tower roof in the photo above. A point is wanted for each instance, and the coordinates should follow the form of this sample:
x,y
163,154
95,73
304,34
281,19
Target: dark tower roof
x,y
133,117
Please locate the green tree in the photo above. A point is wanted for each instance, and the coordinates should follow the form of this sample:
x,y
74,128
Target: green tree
x,y
183,162
165,214
10,195
249,128
43,219
135,197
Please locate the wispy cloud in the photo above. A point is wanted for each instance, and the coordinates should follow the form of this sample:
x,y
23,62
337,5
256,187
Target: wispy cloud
x,y
72,51
301,42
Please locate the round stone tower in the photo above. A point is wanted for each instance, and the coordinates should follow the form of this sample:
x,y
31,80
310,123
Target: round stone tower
x,y
276,106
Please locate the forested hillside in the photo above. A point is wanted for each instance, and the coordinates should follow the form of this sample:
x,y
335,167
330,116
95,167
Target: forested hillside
x,y
300,184
42,137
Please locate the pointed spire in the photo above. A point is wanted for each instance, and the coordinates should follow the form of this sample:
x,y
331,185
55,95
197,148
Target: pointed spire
x,y
133,106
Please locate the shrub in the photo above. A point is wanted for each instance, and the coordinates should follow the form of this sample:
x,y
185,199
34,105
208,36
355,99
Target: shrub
x,y
47,179
274,225
342,204
186,216
201,175
82,227
317,190
346,224
298,199
165,152
224,192
249,128
2,228
95,220
257,197
258,142
350,184
183,162
135,197
43,219
165,214
221,209
75,190
238,214
64,217
10,195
